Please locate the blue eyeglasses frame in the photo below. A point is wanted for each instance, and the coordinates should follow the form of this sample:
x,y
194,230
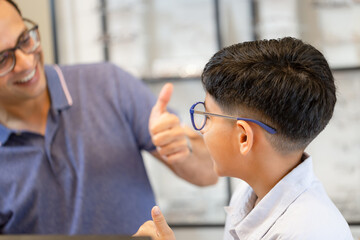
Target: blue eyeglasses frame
x,y
193,111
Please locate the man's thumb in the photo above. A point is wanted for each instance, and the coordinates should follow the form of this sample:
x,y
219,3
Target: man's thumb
x,y
164,98
162,227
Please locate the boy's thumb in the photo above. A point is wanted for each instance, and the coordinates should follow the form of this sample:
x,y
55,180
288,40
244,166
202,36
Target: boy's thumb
x,y
162,227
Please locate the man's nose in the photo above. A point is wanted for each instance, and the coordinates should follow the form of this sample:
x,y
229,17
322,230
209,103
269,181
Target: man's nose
x,y
23,61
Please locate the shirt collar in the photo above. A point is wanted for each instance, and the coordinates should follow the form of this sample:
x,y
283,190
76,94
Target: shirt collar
x,y
59,95
4,134
256,222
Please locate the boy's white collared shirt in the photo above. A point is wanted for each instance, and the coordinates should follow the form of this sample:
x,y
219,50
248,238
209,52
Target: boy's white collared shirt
x,y
296,208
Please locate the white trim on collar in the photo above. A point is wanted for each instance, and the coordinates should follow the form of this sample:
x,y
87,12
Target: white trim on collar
x,y
63,84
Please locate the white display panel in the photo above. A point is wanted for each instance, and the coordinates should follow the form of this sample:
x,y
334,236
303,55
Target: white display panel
x,y
336,151
332,26
161,38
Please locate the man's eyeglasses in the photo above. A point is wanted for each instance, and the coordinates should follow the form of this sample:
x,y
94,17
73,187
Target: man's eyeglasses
x,y
199,116
28,42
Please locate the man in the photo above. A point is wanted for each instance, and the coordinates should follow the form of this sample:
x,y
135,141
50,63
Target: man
x,y
71,137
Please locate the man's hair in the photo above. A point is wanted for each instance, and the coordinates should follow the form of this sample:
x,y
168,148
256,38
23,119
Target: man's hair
x,y
14,5
285,83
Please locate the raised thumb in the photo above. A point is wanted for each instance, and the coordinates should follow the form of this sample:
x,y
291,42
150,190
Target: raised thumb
x,y
163,99
162,227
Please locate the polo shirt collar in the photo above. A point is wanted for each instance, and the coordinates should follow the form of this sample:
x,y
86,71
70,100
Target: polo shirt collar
x,y
254,223
4,134
59,95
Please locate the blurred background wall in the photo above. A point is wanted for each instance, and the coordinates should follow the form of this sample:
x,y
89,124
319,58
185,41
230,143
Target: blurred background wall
x,y
39,12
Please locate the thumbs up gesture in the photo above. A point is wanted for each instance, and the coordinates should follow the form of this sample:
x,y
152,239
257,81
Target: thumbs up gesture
x,y
166,132
157,229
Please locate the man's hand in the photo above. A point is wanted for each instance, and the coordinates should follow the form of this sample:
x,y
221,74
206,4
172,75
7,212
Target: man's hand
x,y
173,143
166,132
157,229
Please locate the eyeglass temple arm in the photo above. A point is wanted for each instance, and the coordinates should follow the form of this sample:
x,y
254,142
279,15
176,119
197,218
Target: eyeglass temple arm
x,y
263,125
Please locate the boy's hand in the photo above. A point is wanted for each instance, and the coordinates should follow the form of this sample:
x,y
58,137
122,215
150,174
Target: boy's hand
x,y
166,132
157,229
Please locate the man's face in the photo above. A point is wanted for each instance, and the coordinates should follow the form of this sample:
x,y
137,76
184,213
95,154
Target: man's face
x,y
27,80
220,139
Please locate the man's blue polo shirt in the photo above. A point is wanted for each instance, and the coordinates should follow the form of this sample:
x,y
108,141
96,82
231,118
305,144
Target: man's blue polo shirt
x,y
86,175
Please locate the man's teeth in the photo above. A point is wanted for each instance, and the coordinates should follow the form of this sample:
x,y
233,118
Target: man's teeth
x,y
28,77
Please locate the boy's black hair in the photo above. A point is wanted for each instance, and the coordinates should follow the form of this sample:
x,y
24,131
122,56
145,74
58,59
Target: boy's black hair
x,y
14,5
285,83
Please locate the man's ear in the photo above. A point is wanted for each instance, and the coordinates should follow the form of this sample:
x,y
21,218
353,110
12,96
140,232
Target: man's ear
x,y
245,136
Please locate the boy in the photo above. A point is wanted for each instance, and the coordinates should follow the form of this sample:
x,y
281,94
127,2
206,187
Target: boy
x,y
265,102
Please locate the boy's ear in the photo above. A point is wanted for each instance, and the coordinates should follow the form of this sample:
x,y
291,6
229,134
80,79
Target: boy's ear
x,y
245,136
